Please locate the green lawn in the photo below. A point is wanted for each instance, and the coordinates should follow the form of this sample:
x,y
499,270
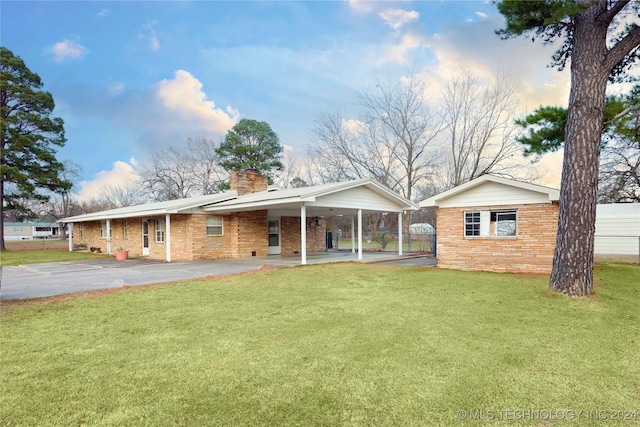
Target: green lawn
x,y
333,344
8,258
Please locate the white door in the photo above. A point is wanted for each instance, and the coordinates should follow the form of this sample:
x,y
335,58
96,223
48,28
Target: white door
x,y
145,238
274,237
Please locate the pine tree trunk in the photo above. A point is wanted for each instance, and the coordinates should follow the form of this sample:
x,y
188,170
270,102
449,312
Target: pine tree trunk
x,y
572,272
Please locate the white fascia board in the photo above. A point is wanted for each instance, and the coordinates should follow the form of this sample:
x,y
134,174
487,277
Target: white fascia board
x,y
257,205
434,201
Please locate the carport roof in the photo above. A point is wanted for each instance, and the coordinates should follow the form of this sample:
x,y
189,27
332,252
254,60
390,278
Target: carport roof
x,y
321,200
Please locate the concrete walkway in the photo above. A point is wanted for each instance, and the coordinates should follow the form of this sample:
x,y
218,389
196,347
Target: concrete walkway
x,y
47,279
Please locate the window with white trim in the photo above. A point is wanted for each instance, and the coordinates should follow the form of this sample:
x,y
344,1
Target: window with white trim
x,y
471,224
506,223
159,230
498,223
214,226
104,230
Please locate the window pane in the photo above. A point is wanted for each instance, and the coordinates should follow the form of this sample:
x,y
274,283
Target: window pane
x,y
472,224
214,226
506,224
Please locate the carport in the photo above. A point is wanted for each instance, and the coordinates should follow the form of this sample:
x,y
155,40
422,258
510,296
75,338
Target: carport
x,y
350,199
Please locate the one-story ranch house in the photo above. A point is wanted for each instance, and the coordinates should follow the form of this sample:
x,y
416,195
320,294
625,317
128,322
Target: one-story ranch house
x,y
496,224
250,220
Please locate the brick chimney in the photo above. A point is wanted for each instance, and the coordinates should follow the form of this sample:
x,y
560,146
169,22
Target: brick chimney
x,y
248,182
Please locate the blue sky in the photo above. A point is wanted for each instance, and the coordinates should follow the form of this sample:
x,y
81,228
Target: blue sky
x,y
132,77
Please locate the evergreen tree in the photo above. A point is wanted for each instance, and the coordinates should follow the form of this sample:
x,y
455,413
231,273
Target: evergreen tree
x,y
251,145
29,137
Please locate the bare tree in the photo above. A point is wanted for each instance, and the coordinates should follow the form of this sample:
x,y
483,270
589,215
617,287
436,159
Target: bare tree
x,y
387,142
619,180
480,129
180,172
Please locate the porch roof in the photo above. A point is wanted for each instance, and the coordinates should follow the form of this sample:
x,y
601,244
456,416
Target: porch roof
x,y
322,200
188,205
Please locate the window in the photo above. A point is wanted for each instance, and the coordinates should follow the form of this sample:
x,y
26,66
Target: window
x,y
159,230
214,226
491,223
104,230
125,228
471,224
505,223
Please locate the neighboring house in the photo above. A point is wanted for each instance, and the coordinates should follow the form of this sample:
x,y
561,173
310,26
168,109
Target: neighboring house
x,y
496,224
250,220
617,229
31,230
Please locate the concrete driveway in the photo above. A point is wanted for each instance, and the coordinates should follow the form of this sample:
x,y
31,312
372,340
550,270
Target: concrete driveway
x,y
46,279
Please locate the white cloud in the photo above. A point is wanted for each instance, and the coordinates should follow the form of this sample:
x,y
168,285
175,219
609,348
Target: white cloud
x,y
184,97
103,13
116,87
482,15
399,52
121,175
396,18
353,126
150,35
361,6
67,49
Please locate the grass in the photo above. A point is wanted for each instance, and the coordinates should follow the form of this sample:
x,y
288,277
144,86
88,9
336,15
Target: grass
x,y
333,344
24,256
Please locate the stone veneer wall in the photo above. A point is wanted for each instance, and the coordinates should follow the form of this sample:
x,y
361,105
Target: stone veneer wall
x,y
531,251
243,234
290,237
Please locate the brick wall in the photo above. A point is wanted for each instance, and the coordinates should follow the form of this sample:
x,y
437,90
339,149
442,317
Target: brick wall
x,y
531,251
248,182
290,237
88,233
243,234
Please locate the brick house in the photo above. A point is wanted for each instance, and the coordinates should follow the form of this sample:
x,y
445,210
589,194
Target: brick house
x,y
496,224
251,219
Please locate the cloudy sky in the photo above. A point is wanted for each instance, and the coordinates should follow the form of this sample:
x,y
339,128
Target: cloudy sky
x,y
130,77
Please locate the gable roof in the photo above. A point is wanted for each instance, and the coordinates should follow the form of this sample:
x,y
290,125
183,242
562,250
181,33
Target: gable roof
x,y
363,194
322,200
187,205
540,192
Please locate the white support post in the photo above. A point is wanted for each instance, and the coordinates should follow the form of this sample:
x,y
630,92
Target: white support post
x,y
70,228
109,237
399,233
353,235
168,237
303,234
359,233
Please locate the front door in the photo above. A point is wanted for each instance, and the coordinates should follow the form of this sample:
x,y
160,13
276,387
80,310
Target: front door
x,y
274,237
145,238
